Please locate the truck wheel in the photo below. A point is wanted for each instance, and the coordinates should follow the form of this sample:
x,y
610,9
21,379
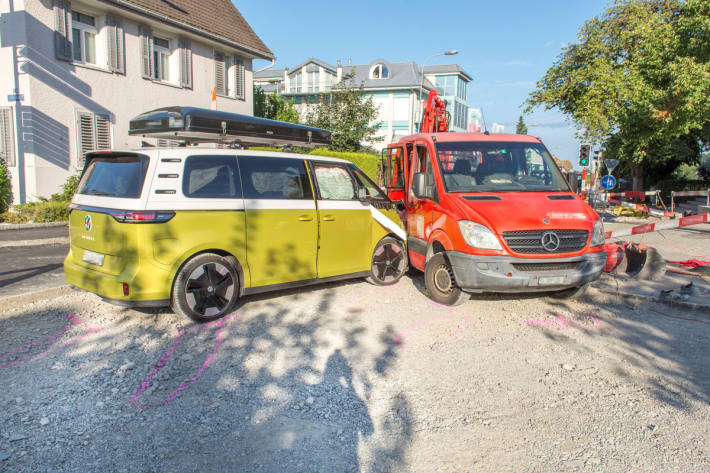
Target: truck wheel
x,y
206,288
571,293
440,282
389,262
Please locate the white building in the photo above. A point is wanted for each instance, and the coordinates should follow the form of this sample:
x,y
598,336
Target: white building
x,y
395,88
74,74
475,120
497,128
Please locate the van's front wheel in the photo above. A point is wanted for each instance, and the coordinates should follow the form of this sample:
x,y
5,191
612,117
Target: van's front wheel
x,y
440,282
206,288
389,262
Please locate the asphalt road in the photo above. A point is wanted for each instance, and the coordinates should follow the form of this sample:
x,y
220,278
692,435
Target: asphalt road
x,y
34,233
25,269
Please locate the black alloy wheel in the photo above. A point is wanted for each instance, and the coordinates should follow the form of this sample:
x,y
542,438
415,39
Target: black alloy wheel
x,y
389,262
206,288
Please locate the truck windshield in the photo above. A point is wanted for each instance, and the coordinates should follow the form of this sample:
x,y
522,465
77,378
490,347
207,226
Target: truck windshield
x,y
475,166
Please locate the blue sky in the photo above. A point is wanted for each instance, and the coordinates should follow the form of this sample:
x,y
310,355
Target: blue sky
x,y
506,46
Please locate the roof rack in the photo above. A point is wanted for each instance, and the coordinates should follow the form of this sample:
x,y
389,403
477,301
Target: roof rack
x,y
199,125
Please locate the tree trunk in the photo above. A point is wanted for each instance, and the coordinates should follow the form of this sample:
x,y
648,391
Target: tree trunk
x,y
637,173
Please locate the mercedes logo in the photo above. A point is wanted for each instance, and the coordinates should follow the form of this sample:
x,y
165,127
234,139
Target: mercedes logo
x,y
550,241
87,223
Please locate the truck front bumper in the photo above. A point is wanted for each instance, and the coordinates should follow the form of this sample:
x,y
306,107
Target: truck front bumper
x,y
474,273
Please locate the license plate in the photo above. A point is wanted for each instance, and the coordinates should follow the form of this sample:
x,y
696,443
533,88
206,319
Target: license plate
x,y
93,257
551,280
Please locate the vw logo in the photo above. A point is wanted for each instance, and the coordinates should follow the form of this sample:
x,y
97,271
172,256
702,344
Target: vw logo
x,y
550,241
87,223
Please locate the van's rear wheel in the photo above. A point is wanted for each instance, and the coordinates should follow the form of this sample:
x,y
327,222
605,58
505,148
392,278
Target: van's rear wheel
x,y
440,282
206,288
389,262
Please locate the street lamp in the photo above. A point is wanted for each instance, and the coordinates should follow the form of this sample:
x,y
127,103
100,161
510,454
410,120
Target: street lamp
x,y
451,52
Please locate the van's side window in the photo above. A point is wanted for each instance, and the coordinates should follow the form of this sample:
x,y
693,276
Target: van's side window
x,y
208,176
274,178
334,182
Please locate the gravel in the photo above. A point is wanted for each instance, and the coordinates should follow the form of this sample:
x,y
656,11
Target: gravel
x,y
356,378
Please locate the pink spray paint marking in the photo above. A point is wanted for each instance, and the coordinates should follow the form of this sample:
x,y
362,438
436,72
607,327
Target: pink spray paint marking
x,y
561,323
73,320
166,356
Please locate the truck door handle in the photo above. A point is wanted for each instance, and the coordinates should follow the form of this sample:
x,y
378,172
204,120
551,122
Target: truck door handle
x,y
328,218
305,218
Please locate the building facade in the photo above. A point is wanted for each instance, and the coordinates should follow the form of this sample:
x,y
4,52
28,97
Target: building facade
x,y
397,89
76,72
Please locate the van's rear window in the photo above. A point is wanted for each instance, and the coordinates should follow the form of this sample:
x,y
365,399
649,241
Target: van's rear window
x,y
115,176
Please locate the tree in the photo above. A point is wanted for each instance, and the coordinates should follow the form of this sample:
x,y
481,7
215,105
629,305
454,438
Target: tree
x,y
273,107
521,128
348,113
5,186
637,82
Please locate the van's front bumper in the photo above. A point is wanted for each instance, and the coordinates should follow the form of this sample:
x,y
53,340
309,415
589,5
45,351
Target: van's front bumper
x,y
110,287
475,273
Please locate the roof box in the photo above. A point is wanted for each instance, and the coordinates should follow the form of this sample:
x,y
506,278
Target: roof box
x,y
200,125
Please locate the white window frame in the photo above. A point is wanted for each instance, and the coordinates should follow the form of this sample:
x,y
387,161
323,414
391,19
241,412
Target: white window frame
x,y
83,30
160,51
379,67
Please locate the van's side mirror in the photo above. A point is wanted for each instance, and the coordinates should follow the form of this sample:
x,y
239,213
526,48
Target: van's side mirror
x,y
362,193
419,185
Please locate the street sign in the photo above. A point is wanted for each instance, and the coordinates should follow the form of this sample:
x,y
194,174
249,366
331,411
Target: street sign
x,y
611,164
15,97
608,182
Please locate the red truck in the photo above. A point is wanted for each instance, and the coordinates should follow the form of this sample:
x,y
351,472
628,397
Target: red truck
x,y
490,213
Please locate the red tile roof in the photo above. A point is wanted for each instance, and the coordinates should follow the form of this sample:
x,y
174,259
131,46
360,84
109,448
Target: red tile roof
x,y
219,18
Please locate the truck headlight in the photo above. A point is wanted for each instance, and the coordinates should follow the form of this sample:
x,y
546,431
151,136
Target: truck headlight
x,y
597,234
479,236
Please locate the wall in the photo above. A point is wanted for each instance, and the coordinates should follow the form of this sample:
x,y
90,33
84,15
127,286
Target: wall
x,y
57,89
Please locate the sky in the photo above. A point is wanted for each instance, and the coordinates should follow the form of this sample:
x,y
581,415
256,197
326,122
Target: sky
x,y
505,46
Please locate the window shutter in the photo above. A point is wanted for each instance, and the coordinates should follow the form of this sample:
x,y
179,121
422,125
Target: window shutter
x,y
103,132
85,136
7,134
238,78
116,50
146,53
62,29
185,63
219,74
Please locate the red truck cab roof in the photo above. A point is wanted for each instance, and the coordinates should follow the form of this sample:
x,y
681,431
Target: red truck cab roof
x,y
462,136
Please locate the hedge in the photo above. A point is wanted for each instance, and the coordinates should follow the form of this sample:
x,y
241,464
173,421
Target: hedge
x,y
367,162
37,212
5,187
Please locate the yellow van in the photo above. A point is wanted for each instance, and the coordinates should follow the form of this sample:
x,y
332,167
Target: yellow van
x,y
196,228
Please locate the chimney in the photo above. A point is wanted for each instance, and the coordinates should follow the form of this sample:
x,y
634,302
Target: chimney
x,y
338,72
287,83
350,61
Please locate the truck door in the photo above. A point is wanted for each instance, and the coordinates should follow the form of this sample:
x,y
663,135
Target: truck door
x,y
420,209
395,173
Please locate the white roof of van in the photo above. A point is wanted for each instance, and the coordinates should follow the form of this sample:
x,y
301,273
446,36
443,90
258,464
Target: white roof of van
x,y
186,151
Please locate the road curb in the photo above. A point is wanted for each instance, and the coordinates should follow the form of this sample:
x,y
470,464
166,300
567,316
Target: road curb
x,y
36,296
21,226
40,242
603,296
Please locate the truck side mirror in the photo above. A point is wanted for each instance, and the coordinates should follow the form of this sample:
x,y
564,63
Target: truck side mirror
x,y
419,185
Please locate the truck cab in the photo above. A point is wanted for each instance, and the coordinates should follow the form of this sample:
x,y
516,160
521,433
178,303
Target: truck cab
x,y
491,213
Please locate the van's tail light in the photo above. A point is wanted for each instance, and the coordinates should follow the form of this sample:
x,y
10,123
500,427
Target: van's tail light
x,y
135,216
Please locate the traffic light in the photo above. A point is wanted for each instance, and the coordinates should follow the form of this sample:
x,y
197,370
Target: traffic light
x,y
584,151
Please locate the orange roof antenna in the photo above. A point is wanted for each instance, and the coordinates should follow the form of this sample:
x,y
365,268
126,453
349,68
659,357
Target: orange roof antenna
x,y
213,103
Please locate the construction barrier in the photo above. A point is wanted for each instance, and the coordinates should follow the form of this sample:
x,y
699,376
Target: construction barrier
x,y
641,195
703,193
653,227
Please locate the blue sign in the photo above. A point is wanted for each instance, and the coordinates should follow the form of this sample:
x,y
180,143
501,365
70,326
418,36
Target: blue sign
x,y
15,97
608,182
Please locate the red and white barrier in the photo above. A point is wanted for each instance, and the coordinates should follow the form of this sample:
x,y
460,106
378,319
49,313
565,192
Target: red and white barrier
x,y
703,193
641,195
653,227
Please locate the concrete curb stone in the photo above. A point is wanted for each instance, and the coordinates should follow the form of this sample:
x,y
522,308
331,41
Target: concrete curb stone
x,y
21,226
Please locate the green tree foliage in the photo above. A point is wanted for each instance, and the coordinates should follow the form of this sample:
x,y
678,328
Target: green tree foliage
x,y
273,107
5,186
348,113
638,81
521,128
